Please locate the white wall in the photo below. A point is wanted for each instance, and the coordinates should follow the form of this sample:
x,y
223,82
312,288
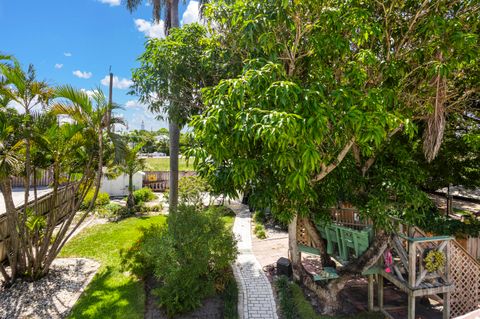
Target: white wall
x,y
119,186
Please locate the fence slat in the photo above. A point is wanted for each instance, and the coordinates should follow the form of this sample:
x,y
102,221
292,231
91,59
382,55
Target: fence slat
x,y
45,206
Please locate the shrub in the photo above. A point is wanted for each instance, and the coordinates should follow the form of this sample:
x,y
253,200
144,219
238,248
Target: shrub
x,y
190,256
102,199
222,210
143,195
259,231
285,296
230,299
259,216
112,211
142,208
191,190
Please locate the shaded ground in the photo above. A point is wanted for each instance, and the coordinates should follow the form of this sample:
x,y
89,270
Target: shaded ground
x,y
441,203
212,308
354,296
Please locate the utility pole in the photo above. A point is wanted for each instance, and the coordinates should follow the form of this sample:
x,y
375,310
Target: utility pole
x,y
110,102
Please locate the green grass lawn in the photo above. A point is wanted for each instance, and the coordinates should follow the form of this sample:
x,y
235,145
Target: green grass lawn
x,y
163,164
112,293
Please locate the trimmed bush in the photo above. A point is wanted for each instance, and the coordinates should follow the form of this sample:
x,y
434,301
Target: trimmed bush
x,y
143,195
259,231
190,256
102,199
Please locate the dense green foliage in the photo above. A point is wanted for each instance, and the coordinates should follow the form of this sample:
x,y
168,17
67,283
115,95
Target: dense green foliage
x,y
327,82
190,256
230,299
112,293
174,69
143,195
102,199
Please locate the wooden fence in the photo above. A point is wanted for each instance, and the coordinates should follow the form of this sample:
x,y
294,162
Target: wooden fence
x,y
471,245
45,179
45,205
159,181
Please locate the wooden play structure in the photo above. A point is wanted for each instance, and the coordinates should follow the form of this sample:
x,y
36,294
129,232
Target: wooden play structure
x,y
417,264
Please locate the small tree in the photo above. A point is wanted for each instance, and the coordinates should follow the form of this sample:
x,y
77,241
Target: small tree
x,y
130,165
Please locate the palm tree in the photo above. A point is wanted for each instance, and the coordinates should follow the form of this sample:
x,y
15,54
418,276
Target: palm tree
x,y
24,89
10,163
170,8
130,165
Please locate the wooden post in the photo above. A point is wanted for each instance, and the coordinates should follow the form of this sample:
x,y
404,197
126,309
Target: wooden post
x,y
380,292
412,264
446,296
411,305
370,293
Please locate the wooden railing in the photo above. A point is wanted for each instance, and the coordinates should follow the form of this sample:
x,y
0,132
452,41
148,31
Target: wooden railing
x,y
159,181
44,205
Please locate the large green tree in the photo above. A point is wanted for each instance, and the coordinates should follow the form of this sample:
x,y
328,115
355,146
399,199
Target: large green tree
x,y
325,81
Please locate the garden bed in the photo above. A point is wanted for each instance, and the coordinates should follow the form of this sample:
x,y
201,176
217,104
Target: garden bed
x,y
52,296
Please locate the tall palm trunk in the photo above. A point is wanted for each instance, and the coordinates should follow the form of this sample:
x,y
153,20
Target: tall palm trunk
x,y
131,199
174,128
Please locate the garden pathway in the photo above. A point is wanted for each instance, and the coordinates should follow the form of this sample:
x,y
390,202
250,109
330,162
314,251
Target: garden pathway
x,y
255,292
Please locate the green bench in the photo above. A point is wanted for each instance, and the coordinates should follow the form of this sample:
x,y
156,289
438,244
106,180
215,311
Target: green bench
x,y
348,242
327,273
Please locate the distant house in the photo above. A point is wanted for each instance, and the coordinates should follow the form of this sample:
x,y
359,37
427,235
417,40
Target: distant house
x,y
118,187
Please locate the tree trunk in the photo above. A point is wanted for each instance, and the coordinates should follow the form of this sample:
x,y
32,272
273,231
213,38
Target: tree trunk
x,y
174,129
293,253
329,293
174,132
131,199
12,244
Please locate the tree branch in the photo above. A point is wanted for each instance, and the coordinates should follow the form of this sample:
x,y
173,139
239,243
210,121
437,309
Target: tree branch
x,y
327,169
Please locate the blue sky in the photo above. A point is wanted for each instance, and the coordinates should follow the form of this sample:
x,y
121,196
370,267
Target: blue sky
x,y
76,41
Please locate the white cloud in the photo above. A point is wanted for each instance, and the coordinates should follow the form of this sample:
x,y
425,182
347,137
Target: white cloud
x,y
34,106
67,54
88,92
192,13
135,104
111,3
82,75
118,83
151,30
58,65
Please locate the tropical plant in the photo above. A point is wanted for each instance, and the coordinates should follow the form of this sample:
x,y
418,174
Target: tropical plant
x,y
129,165
37,139
191,257
172,73
170,9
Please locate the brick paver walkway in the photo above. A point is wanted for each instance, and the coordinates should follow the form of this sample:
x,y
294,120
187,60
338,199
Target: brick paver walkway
x,y
255,292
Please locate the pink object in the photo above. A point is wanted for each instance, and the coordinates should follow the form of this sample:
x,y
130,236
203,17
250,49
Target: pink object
x,y
387,260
